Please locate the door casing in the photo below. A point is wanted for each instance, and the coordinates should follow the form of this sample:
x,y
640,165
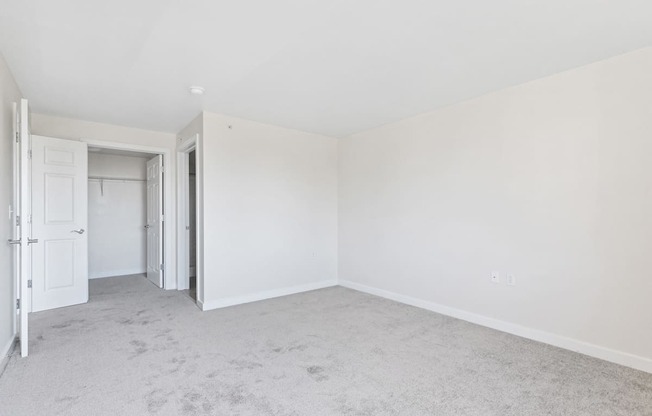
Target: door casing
x,y
22,227
184,147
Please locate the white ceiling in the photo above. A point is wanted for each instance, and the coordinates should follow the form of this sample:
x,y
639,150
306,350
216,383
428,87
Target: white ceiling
x,y
330,66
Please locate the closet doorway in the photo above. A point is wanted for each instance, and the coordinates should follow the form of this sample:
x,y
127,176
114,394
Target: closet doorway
x,y
189,185
125,214
192,225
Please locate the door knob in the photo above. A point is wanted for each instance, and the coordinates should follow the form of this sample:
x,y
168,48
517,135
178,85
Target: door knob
x,y
80,231
10,241
147,227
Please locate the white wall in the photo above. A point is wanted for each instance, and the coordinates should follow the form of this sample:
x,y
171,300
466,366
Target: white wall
x,y
270,205
66,128
550,181
117,239
117,166
9,93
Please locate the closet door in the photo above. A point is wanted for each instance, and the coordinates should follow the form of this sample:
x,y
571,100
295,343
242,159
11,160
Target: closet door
x,y
155,219
59,222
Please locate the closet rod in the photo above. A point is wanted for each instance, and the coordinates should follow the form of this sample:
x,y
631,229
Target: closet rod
x,y
100,178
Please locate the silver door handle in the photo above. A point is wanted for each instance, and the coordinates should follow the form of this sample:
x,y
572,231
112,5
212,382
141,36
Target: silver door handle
x,y
80,231
147,226
29,241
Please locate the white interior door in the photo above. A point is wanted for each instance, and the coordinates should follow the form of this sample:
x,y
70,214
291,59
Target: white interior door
x,y
59,221
155,220
21,213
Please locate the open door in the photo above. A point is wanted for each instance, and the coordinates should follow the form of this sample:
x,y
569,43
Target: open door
x,y
59,220
155,218
22,232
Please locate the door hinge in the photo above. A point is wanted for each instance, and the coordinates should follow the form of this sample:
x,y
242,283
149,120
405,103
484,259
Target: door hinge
x,y
162,266
17,303
17,220
29,154
17,137
29,284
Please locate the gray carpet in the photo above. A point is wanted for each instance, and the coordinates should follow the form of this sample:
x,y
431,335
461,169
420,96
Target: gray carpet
x,y
137,350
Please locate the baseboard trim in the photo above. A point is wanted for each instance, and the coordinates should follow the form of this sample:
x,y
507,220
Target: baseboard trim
x,y
116,273
4,360
268,294
596,351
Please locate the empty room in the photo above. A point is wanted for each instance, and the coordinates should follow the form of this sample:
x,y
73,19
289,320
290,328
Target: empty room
x,y
326,207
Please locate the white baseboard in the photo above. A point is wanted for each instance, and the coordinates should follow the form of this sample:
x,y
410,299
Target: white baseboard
x,y
115,273
269,294
5,350
607,354
4,357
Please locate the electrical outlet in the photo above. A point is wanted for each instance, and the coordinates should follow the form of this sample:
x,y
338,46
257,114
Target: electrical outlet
x,y
511,280
495,277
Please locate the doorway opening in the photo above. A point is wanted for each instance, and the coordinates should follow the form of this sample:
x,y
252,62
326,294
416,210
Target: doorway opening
x,y
189,251
151,168
192,225
125,236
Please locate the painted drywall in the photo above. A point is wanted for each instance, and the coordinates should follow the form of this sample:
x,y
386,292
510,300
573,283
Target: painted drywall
x,y
117,239
66,128
272,197
550,181
9,93
117,166
72,129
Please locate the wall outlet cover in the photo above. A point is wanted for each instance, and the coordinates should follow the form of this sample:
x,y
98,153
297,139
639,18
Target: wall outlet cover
x,y
495,277
511,280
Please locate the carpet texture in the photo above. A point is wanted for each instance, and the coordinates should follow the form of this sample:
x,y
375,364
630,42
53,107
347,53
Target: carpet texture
x,y
137,350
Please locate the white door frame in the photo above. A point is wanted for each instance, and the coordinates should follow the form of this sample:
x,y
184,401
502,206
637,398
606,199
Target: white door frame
x,y
15,229
22,237
183,279
169,252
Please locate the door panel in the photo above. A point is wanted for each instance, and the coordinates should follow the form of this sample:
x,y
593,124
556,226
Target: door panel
x,y
60,194
59,220
155,220
61,157
59,264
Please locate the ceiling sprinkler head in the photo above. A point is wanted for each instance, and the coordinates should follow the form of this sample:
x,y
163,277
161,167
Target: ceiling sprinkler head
x,y
194,90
